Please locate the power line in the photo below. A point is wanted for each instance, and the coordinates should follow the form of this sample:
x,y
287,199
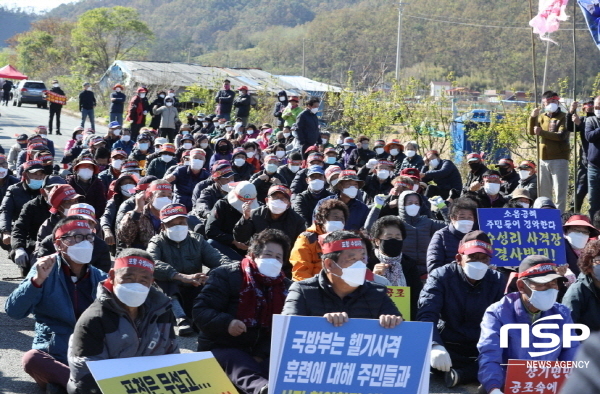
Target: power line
x,y
476,25
452,18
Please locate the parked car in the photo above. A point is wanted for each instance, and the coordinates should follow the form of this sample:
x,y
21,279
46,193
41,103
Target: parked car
x,y
30,92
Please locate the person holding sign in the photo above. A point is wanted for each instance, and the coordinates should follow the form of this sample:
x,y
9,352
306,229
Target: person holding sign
x,y
57,290
535,300
106,330
340,291
235,309
459,293
55,108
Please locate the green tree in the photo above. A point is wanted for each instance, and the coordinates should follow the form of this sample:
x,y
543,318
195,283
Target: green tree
x,y
103,35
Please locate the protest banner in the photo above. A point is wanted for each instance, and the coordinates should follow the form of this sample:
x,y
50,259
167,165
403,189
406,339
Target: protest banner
x,y
517,233
523,378
55,97
167,374
309,354
401,297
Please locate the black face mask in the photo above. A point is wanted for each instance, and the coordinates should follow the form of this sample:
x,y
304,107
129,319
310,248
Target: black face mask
x,y
391,247
474,166
281,140
503,171
223,149
48,169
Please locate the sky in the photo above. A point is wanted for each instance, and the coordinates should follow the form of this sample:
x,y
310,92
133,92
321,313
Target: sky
x,y
36,5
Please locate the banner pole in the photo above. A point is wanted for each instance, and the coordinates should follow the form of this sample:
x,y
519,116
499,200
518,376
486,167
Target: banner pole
x,y
575,162
535,94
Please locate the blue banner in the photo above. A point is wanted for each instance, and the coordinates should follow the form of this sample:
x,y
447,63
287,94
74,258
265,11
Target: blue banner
x,y
517,233
591,11
310,355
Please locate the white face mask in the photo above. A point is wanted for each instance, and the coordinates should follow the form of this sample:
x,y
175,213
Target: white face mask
x,y
85,173
196,164
271,168
161,202
117,132
542,299
464,226
250,154
394,152
127,190
166,158
204,145
410,153
351,191
331,226
335,182
282,98
316,185
286,135
161,95
116,164
523,174
55,85
239,162
79,137
227,187
324,141
475,270
143,146
551,108
142,95
238,125
3,172
523,204
280,154
81,253
339,141
125,138
379,150
228,128
354,275
277,206
294,169
89,88
269,267
216,124
117,90
597,112
177,233
491,188
383,174
314,110
434,163
171,94
131,294
577,240
168,104
412,210
187,146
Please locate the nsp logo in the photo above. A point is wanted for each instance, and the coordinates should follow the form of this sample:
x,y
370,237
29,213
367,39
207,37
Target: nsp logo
x,y
568,335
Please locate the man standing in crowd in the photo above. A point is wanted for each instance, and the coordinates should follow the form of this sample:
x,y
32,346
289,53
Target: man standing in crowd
x,y
117,104
308,125
224,100
242,103
550,126
55,108
592,135
87,103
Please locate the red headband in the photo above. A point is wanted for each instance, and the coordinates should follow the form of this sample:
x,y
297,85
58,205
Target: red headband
x,y
475,244
493,176
342,244
134,261
543,268
159,186
82,211
68,227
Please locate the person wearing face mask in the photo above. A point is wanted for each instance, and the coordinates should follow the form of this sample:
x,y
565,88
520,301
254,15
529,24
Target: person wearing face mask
x,y
264,138
223,151
276,214
137,111
362,154
166,159
291,111
347,159
138,226
120,190
459,293
180,256
305,202
242,169
158,102
6,180
508,175
113,135
127,296
168,119
184,142
324,144
19,146
235,309
379,149
395,152
125,143
142,149
307,123
57,290
441,171
346,190
477,168
535,299
280,105
577,123
412,159
224,100
293,165
519,199
222,176
158,143
205,126
242,103
528,178
185,178
550,125
340,291
55,108
299,183
201,141
60,198
306,253
87,103
331,158
578,230
117,104
488,196
267,177
117,158
85,181
379,182
592,133
581,297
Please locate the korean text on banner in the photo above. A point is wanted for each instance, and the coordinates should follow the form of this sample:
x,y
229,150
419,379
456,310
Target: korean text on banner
x,y
523,378
172,373
401,297
309,354
517,233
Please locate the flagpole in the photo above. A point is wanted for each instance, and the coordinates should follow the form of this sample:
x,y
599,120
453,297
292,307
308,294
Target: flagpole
x,y
535,94
575,207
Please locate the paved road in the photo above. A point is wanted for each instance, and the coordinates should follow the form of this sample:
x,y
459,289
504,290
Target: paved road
x,y
16,335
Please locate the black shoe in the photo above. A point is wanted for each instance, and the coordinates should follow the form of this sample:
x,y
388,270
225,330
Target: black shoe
x,y
53,388
49,131
58,132
184,327
452,378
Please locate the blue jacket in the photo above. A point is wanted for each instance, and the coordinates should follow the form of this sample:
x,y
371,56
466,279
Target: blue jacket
x,y
510,310
184,183
443,247
449,296
359,211
117,105
308,128
445,175
127,146
52,307
592,135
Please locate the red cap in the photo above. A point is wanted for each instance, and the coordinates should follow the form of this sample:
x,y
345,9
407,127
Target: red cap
x,y
172,211
341,244
280,189
474,157
243,87
60,193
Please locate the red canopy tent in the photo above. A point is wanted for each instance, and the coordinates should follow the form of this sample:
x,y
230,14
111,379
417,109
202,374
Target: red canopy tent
x,y
9,72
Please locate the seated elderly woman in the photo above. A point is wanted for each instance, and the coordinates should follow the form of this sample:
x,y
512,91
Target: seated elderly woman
x,y
340,291
582,296
235,309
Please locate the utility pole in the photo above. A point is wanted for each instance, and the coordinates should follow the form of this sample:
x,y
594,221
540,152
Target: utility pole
x,y
398,50
303,58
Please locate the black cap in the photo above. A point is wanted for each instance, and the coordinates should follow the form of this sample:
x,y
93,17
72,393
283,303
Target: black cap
x,y
538,269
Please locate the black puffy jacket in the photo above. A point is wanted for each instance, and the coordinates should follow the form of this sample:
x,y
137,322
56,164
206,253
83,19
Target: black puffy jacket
x,y
33,215
262,187
221,221
305,203
207,200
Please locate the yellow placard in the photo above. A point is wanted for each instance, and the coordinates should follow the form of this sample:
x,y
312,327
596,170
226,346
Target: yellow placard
x,y
401,297
204,376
